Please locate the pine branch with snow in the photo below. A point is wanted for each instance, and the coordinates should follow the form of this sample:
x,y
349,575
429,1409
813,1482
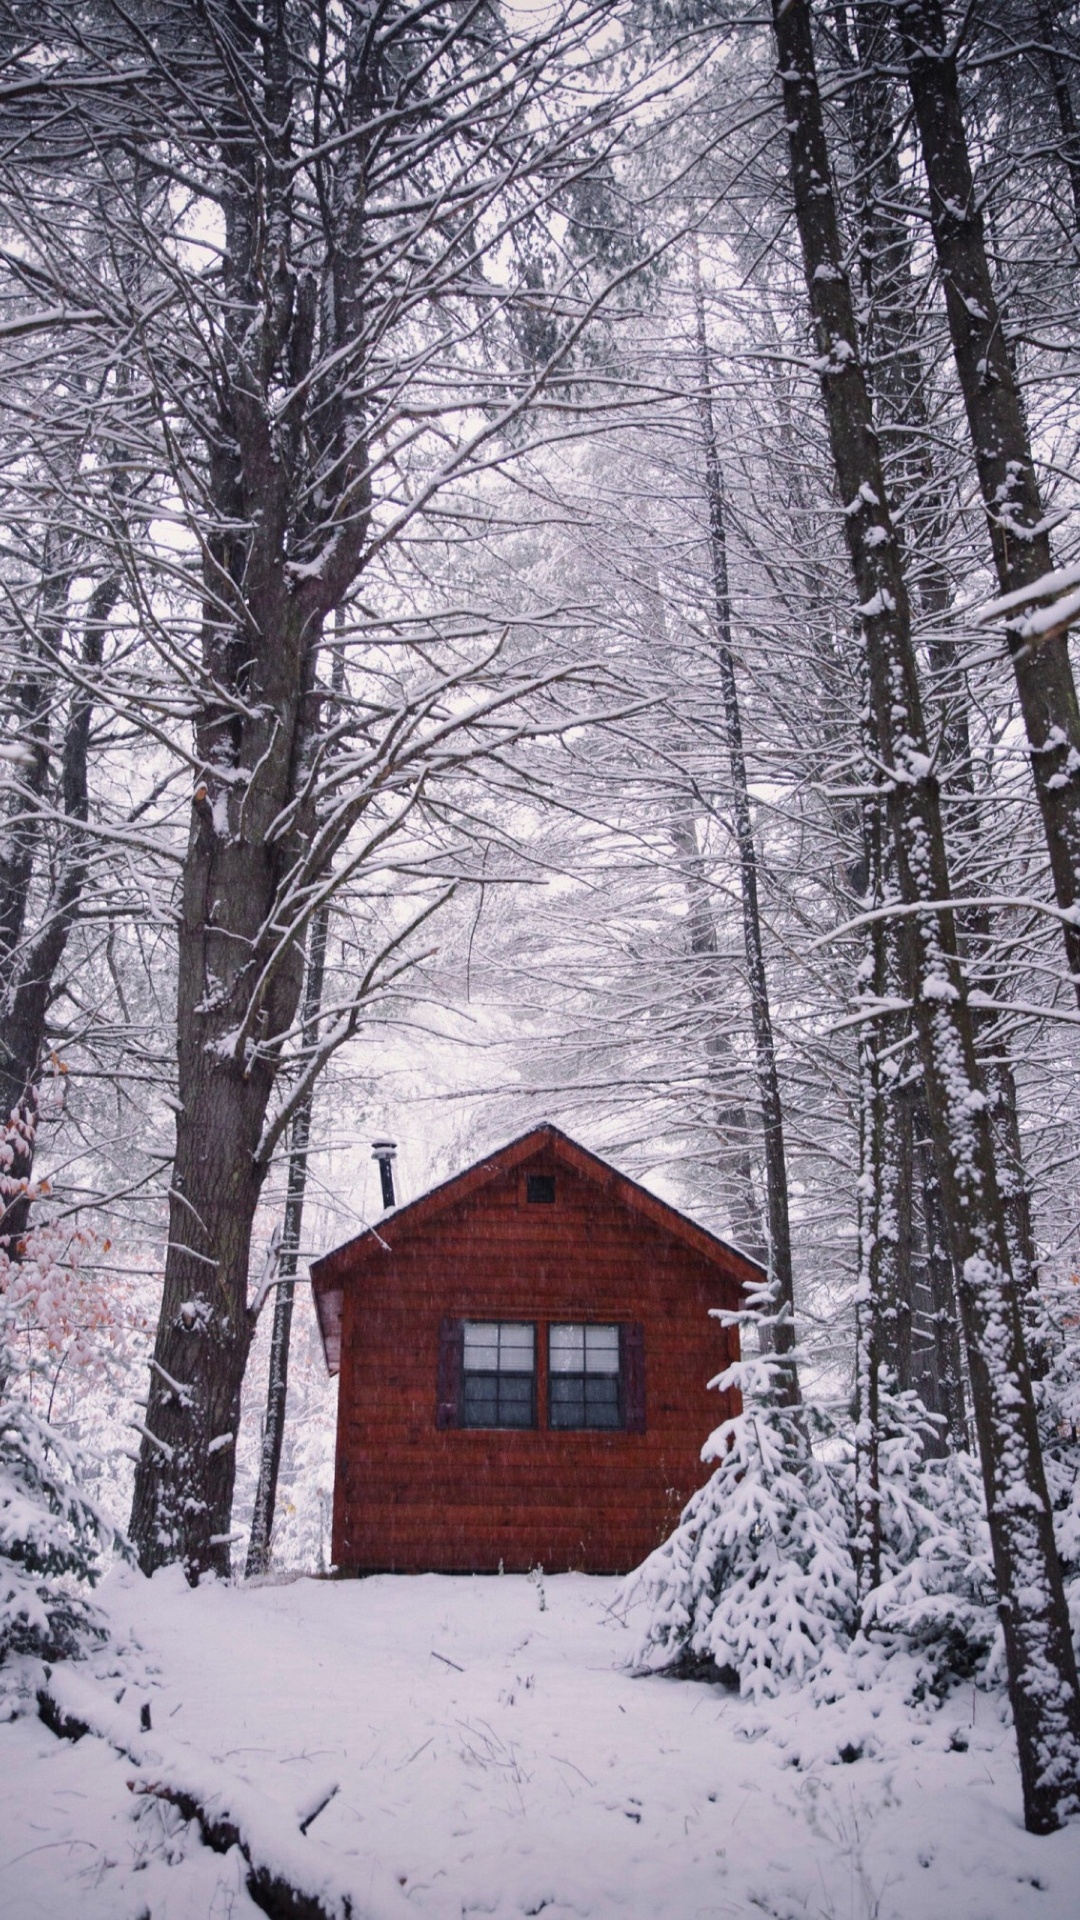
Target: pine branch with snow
x,y
757,1581
939,1599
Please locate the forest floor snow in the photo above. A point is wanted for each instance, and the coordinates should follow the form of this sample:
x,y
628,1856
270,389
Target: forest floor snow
x,y
493,1756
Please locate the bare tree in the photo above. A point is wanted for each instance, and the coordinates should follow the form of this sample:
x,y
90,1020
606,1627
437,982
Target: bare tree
x,y
317,346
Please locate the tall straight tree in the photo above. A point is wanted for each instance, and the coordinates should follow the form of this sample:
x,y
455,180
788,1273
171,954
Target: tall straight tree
x,y
1001,446
1039,1652
772,1116
899,390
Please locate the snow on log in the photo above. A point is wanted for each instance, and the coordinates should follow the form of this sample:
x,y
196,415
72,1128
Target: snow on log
x,y
289,1877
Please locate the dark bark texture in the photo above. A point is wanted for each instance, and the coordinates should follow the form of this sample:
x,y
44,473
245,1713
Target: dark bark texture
x,y
279,477
1019,535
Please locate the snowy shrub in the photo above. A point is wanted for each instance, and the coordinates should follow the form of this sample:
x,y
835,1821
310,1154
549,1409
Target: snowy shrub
x,y
52,1536
757,1580
939,1598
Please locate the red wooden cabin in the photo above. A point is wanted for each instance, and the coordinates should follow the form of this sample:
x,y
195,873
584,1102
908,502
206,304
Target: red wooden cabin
x,y
524,1356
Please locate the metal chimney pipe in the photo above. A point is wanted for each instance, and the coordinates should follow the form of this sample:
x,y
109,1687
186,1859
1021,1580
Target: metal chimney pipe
x,y
384,1151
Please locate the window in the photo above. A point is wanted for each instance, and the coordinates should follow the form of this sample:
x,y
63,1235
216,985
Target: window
x,y
498,1374
584,1378
487,1372
540,1189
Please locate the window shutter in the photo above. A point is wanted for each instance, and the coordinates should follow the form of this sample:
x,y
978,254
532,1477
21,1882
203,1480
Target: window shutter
x,y
633,1377
451,1354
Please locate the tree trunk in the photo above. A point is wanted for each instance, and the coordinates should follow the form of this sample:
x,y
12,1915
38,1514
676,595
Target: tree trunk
x,y
1057,69
772,1117
29,963
277,1388
1019,535
898,388
940,1281
241,932
1039,1652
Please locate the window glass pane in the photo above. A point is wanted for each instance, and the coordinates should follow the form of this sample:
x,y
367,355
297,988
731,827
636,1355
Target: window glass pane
x,y
480,1402
515,1400
481,1345
567,1401
493,1346
567,1348
601,1401
499,1374
515,1347
584,1349
601,1349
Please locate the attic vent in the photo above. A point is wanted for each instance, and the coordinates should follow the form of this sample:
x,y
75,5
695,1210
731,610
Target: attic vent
x,y
540,1189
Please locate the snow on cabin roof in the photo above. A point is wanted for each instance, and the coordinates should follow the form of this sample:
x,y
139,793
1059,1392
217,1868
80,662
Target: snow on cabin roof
x,y
329,1272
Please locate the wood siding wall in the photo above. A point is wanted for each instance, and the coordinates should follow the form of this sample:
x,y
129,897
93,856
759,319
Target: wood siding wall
x,y
412,1498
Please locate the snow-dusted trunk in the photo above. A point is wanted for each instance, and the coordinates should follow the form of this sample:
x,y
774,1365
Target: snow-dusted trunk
x,y
238,991
1039,1652
883,1305
262,1520
277,477
948,1397
277,1386
772,1116
1019,534
228,1022
898,389
866,1540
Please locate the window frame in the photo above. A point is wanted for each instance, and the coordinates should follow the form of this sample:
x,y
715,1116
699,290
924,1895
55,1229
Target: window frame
x,y
498,1374
450,1374
583,1376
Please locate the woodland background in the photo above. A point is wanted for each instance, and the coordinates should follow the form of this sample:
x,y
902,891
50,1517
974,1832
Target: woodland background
x,y
435,692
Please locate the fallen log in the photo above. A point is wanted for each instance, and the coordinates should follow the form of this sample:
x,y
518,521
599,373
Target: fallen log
x,y
288,1877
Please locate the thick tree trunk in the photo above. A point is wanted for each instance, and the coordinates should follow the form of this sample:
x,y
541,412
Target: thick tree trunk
x,y
783,1338
238,993
1019,534
1039,1652
242,922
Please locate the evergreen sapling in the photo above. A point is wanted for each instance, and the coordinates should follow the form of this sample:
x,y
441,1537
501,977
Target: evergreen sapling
x,y
757,1582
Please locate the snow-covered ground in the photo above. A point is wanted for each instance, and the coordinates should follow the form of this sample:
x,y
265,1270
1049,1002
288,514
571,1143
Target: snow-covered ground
x,y
493,1756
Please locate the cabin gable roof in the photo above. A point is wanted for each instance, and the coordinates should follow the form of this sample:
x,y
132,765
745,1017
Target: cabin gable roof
x,y
396,1228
